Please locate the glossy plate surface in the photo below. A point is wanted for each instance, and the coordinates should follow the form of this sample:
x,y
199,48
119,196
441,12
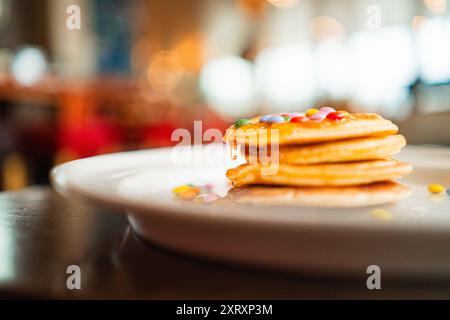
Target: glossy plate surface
x,y
412,240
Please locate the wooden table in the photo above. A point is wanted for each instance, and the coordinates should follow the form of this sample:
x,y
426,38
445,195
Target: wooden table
x,y
41,234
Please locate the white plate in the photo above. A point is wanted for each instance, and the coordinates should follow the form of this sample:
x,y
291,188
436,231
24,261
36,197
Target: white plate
x,y
414,242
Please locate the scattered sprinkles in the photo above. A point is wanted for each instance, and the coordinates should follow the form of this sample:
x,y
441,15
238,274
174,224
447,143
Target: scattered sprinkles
x,y
436,188
381,214
189,194
197,194
207,198
181,189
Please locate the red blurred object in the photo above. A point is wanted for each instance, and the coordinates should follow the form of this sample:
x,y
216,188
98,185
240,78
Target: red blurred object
x,y
299,119
90,138
158,135
336,115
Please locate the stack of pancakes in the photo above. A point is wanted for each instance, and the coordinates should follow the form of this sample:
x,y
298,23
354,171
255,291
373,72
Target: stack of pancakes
x,y
330,163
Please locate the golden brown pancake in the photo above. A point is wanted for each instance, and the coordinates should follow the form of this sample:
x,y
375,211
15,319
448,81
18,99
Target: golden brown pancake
x,y
289,133
355,196
330,174
336,151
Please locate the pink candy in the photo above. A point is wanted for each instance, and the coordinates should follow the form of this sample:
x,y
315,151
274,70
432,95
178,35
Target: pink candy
x,y
210,197
327,109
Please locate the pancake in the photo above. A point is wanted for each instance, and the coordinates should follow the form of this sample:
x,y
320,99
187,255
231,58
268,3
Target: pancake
x,y
344,197
336,151
331,174
289,133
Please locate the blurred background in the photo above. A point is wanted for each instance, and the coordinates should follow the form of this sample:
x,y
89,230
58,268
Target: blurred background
x,y
128,72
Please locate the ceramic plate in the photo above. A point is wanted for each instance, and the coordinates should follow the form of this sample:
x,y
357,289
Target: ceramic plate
x,y
413,239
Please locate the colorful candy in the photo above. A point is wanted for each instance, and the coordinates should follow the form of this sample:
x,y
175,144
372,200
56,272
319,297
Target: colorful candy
x,y
208,187
338,115
198,194
311,111
299,119
435,188
265,118
241,122
312,114
318,116
276,119
210,198
181,189
189,194
186,192
327,109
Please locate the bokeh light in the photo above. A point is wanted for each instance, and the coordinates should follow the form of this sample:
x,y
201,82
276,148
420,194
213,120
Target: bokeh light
x,y
333,64
417,22
228,85
286,76
283,4
325,27
190,52
434,50
436,6
29,66
389,51
165,71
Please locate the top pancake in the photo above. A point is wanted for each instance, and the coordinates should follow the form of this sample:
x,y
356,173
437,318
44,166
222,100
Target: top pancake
x,y
289,133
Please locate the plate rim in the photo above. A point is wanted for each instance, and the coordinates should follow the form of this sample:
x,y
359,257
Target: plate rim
x,y
62,184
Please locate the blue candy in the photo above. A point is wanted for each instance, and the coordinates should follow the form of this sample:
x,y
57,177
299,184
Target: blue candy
x,y
265,118
276,119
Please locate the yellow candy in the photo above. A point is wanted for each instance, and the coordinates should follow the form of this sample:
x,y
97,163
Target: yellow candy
x,y
189,194
435,188
311,111
381,214
181,189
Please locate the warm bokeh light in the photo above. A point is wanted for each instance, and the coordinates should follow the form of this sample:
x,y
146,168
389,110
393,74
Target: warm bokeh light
x,y
436,6
14,172
165,71
254,8
190,52
283,4
325,27
418,21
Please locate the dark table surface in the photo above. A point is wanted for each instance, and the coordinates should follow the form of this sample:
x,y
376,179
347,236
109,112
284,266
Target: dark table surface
x,y
41,234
